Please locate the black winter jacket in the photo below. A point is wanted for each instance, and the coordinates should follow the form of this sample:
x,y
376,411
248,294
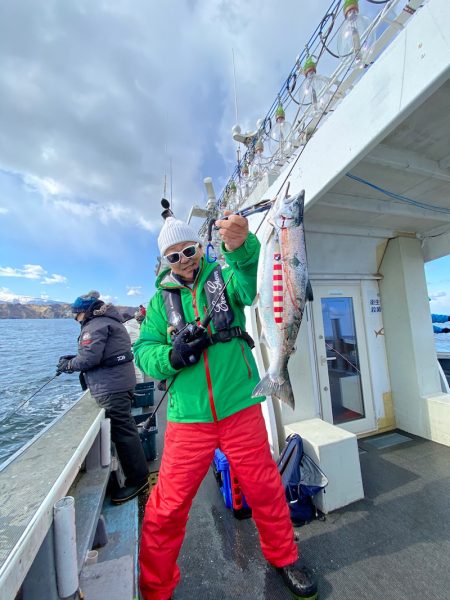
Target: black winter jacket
x,y
103,336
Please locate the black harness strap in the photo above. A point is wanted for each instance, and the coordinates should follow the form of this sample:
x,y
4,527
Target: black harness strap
x,y
226,335
174,308
222,314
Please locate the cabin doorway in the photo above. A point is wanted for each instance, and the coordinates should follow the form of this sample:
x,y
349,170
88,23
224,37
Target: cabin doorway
x,y
342,362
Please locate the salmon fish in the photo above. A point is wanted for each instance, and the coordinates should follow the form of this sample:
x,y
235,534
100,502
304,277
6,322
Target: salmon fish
x,y
283,289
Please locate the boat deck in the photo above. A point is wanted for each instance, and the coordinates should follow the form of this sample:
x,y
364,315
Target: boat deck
x,y
393,544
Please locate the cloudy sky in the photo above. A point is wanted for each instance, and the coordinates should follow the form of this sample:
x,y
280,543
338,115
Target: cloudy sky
x,y
98,101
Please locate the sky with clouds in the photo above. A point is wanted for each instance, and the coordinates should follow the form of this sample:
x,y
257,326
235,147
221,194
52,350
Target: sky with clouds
x,y
99,100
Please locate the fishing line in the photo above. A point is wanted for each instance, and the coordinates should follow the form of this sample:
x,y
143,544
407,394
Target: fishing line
x,y
147,423
27,400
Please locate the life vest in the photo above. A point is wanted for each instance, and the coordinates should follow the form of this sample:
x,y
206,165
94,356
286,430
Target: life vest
x,y
218,303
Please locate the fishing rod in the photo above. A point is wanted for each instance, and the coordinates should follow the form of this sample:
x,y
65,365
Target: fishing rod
x,y
195,327
194,330
260,206
27,400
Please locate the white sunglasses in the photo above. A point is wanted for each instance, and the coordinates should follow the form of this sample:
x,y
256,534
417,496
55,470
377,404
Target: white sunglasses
x,y
189,252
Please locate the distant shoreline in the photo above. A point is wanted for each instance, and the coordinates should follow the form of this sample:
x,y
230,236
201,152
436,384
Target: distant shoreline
x,y
10,310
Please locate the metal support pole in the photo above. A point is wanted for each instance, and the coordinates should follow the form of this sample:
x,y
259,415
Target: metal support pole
x,y
65,547
105,442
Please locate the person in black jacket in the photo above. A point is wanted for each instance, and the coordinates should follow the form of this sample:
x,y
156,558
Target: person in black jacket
x,y
106,361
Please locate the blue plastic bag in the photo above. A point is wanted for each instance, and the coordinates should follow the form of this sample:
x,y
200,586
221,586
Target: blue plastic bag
x,y
302,479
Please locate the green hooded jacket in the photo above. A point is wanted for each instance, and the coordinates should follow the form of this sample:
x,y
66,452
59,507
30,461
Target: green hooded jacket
x,y
221,383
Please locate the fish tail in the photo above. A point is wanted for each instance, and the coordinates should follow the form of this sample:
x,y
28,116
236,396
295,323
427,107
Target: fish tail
x,y
280,389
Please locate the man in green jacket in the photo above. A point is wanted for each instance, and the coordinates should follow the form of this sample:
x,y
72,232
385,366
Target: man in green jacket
x,y
212,374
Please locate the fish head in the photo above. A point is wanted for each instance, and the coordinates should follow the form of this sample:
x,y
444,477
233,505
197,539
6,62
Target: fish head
x,y
288,212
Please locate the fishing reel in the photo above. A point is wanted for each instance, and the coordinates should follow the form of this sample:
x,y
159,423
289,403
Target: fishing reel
x,y
194,331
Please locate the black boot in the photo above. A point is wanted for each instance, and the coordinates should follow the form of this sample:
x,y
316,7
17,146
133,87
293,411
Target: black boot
x,y
128,492
299,580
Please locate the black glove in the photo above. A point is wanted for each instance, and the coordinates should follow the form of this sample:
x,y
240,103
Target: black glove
x,y
188,347
64,364
162,385
445,330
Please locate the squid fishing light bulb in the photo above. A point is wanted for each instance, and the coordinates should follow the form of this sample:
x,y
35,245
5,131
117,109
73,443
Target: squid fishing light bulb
x,y
257,169
313,90
279,134
351,40
244,180
232,202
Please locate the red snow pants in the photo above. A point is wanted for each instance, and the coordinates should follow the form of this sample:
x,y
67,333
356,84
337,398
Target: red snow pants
x,y
188,454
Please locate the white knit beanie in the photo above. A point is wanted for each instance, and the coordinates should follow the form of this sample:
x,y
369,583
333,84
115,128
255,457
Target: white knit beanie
x,y
174,232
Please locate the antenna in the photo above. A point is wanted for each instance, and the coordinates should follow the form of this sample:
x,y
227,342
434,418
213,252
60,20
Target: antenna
x,y
170,164
235,88
238,152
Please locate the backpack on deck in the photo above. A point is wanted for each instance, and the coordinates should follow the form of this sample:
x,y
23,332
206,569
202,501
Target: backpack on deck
x,y
302,479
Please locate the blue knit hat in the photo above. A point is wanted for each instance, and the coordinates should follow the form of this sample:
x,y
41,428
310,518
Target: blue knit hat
x,y
82,303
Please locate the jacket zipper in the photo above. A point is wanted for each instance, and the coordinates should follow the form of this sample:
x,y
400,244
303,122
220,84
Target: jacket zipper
x,y
249,371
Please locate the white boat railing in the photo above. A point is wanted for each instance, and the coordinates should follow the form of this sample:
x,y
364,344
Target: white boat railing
x,y
444,381
32,482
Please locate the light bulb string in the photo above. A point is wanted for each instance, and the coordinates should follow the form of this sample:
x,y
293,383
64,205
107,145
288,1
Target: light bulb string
x,y
317,39
314,41
285,95
288,174
349,67
334,14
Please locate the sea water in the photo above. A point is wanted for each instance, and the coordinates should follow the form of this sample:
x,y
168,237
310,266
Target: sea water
x,y
29,353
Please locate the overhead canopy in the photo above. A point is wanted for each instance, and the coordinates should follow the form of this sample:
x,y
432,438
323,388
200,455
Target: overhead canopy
x,y
412,161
